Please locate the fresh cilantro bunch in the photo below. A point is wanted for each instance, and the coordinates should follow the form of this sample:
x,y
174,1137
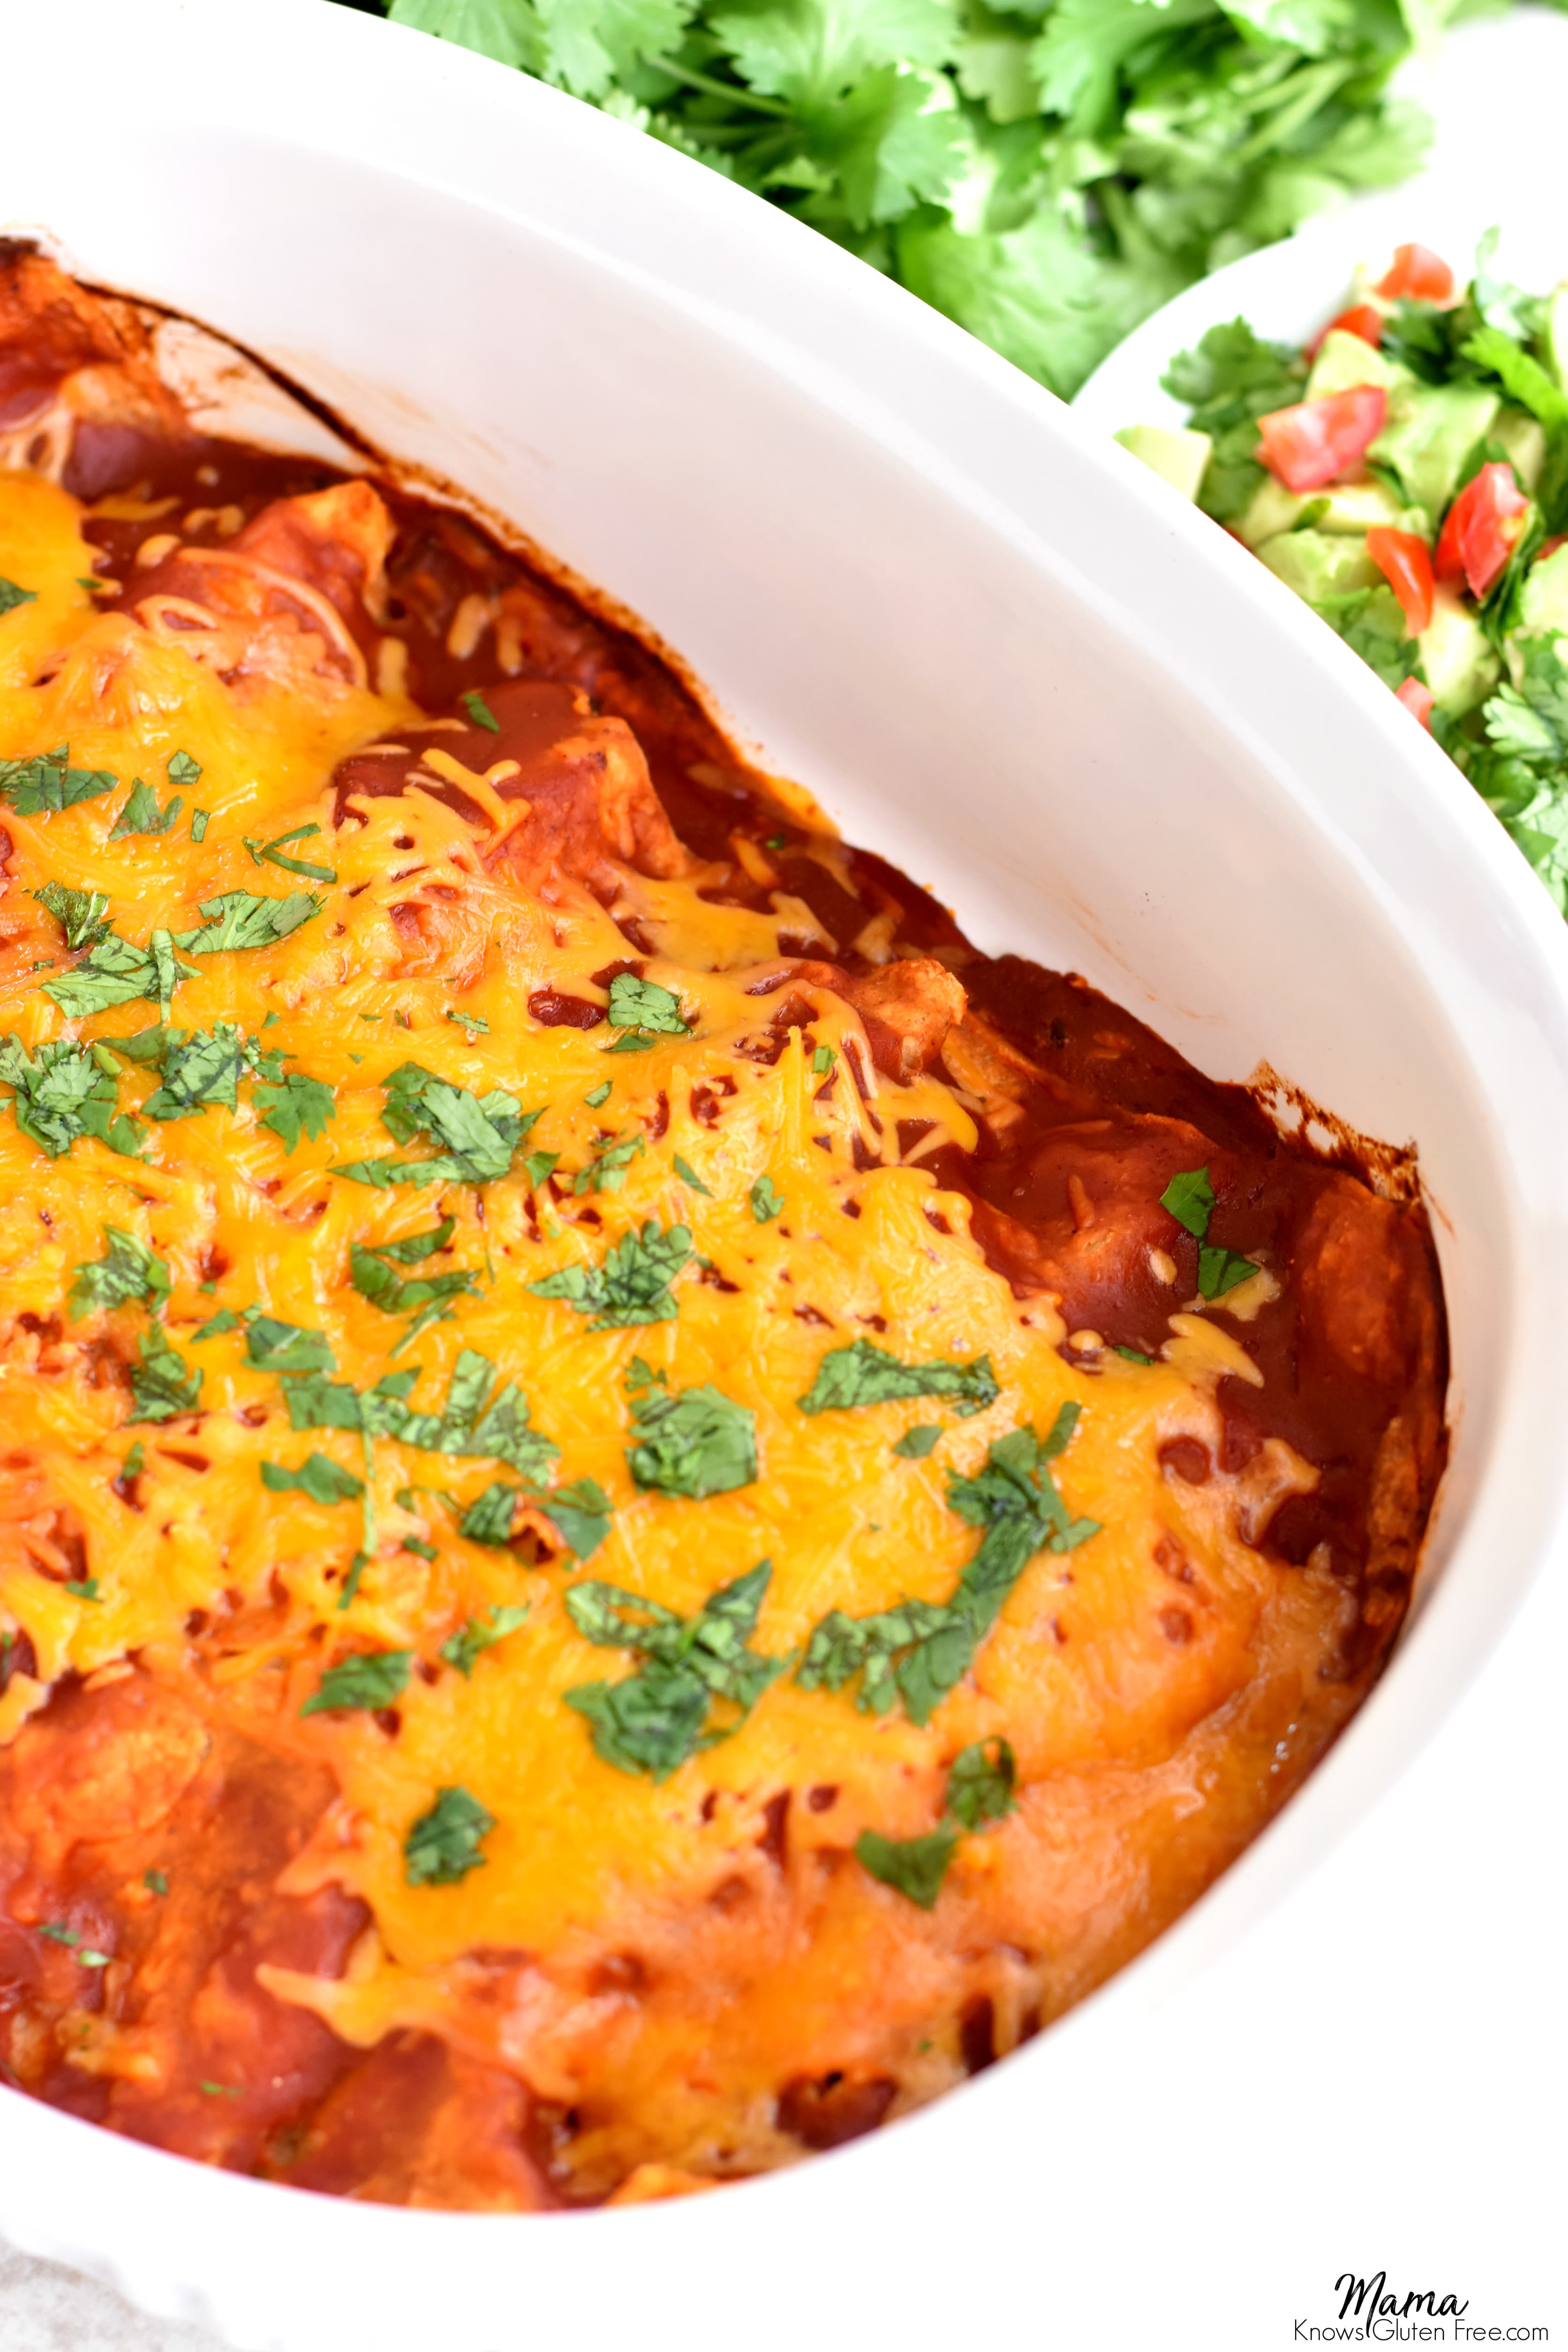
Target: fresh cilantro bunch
x,y
1046,173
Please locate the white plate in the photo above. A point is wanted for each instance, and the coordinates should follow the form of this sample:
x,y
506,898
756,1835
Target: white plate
x,y
1003,657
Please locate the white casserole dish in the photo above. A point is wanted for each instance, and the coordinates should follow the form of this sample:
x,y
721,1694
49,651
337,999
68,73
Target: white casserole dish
x,y
1001,653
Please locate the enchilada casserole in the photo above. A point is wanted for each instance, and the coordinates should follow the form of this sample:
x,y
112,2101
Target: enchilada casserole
x,y
647,1510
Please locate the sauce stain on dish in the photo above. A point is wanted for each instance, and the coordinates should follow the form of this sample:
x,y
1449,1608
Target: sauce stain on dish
x,y
648,1509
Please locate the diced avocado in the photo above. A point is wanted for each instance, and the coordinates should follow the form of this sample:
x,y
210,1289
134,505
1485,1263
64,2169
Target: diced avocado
x,y
1459,664
1357,506
1274,508
1554,338
1525,442
1345,360
1317,565
1544,603
1178,457
1431,430
1346,507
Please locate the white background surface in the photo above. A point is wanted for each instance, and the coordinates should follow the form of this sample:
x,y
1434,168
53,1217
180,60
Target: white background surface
x,y
1385,2049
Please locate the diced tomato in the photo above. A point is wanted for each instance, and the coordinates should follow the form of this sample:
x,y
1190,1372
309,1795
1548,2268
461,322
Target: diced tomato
x,y
1365,320
1482,526
1318,440
1401,556
1416,698
1417,275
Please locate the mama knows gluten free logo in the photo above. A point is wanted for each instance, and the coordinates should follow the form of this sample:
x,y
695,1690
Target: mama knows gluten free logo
x,y
1372,2312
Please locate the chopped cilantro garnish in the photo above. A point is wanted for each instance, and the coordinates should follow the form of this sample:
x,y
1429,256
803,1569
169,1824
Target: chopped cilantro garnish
x,y
79,913
863,1374
581,1514
480,1133
44,784
198,1069
11,596
479,1633
56,1933
500,1432
154,1882
766,1200
443,1845
200,820
144,1045
632,1284
688,1175
600,1095
63,1093
163,1385
294,1105
980,1785
489,1520
916,1442
84,1587
1220,1270
272,854
424,1300
414,1249
371,1679
607,1171
479,711
134,1464
658,1717
645,1009
238,919
142,813
1190,1198
823,1060
468,1020
775,841
912,1866
693,1442
539,1166
128,1270
919,1650
184,769
1136,1355
114,972
225,1319
275,1347
318,1477
220,2091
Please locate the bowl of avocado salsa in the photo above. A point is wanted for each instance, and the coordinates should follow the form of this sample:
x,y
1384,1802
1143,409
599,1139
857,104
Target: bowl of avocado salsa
x,y
1406,475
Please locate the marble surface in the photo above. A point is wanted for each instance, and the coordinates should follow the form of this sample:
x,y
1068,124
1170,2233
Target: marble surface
x,y
44,2308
